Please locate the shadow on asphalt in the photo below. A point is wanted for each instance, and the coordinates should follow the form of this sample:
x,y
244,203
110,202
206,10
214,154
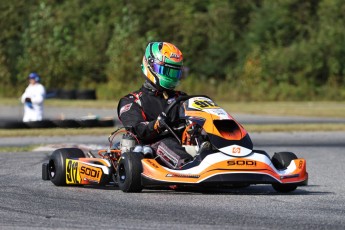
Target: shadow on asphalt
x,y
263,190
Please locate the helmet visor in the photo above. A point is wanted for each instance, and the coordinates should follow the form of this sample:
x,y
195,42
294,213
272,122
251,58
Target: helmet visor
x,y
167,70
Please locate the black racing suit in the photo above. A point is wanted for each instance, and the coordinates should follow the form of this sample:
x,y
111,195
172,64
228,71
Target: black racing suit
x,y
139,110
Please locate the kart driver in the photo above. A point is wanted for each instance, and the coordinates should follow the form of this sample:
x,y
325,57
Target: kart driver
x,y
142,110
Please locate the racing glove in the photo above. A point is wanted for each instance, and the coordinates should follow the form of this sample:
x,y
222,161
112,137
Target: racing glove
x,y
159,125
28,103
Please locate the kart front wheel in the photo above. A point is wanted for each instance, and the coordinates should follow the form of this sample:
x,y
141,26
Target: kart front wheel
x,y
129,171
284,187
57,164
282,160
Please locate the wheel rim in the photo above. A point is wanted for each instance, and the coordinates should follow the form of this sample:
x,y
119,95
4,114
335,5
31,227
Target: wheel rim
x,y
122,173
52,169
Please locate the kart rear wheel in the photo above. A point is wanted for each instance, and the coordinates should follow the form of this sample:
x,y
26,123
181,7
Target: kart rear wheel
x,y
57,164
129,171
282,160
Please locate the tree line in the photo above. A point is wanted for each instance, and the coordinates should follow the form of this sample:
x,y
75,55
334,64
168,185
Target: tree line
x,y
233,49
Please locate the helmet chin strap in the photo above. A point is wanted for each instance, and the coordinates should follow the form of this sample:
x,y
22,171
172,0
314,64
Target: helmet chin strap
x,y
149,86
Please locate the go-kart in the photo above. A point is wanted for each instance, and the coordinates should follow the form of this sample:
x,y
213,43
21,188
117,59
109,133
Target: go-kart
x,y
221,149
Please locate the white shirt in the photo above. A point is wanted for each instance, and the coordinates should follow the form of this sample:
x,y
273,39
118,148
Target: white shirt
x,y
34,111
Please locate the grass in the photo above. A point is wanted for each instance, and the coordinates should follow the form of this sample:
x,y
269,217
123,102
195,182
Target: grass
x,y
105,131
310,109
13,149
66,103
295,127
54,132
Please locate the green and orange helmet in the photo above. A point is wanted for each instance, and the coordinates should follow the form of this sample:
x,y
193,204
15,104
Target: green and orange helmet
x,y
162,65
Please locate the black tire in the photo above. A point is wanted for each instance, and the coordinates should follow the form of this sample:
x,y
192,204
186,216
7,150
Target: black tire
x,y
106,122
86,94
52,93
282,160
67,94
57,164
88,123
12,124
129,171
41,124
67,123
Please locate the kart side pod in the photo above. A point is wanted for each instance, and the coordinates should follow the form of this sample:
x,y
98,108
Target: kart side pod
x,y
68,166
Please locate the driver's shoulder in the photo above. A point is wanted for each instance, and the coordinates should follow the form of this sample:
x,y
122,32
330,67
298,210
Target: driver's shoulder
x,y
131,97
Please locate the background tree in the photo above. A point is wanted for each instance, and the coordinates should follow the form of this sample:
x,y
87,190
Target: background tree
x,y
237,50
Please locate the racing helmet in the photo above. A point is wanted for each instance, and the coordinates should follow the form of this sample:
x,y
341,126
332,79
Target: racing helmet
x,y
162,65
34,76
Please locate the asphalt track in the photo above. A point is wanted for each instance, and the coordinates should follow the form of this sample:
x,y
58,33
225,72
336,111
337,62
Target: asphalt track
x,y
27,202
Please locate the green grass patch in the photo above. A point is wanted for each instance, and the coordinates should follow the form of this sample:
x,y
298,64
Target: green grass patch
x,y
105,131
14,149
295,127
82,103
309,109
54,132
66,103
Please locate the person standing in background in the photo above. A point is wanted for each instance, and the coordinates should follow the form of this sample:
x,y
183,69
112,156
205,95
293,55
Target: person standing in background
x,y
33,99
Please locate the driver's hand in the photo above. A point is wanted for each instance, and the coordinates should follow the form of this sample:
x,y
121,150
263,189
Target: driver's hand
x,y
160,123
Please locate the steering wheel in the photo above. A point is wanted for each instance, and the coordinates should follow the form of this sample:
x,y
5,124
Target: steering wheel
x,y
168,110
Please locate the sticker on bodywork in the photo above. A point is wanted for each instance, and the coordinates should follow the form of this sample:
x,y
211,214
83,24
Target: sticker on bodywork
x,y
80,173
202,103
